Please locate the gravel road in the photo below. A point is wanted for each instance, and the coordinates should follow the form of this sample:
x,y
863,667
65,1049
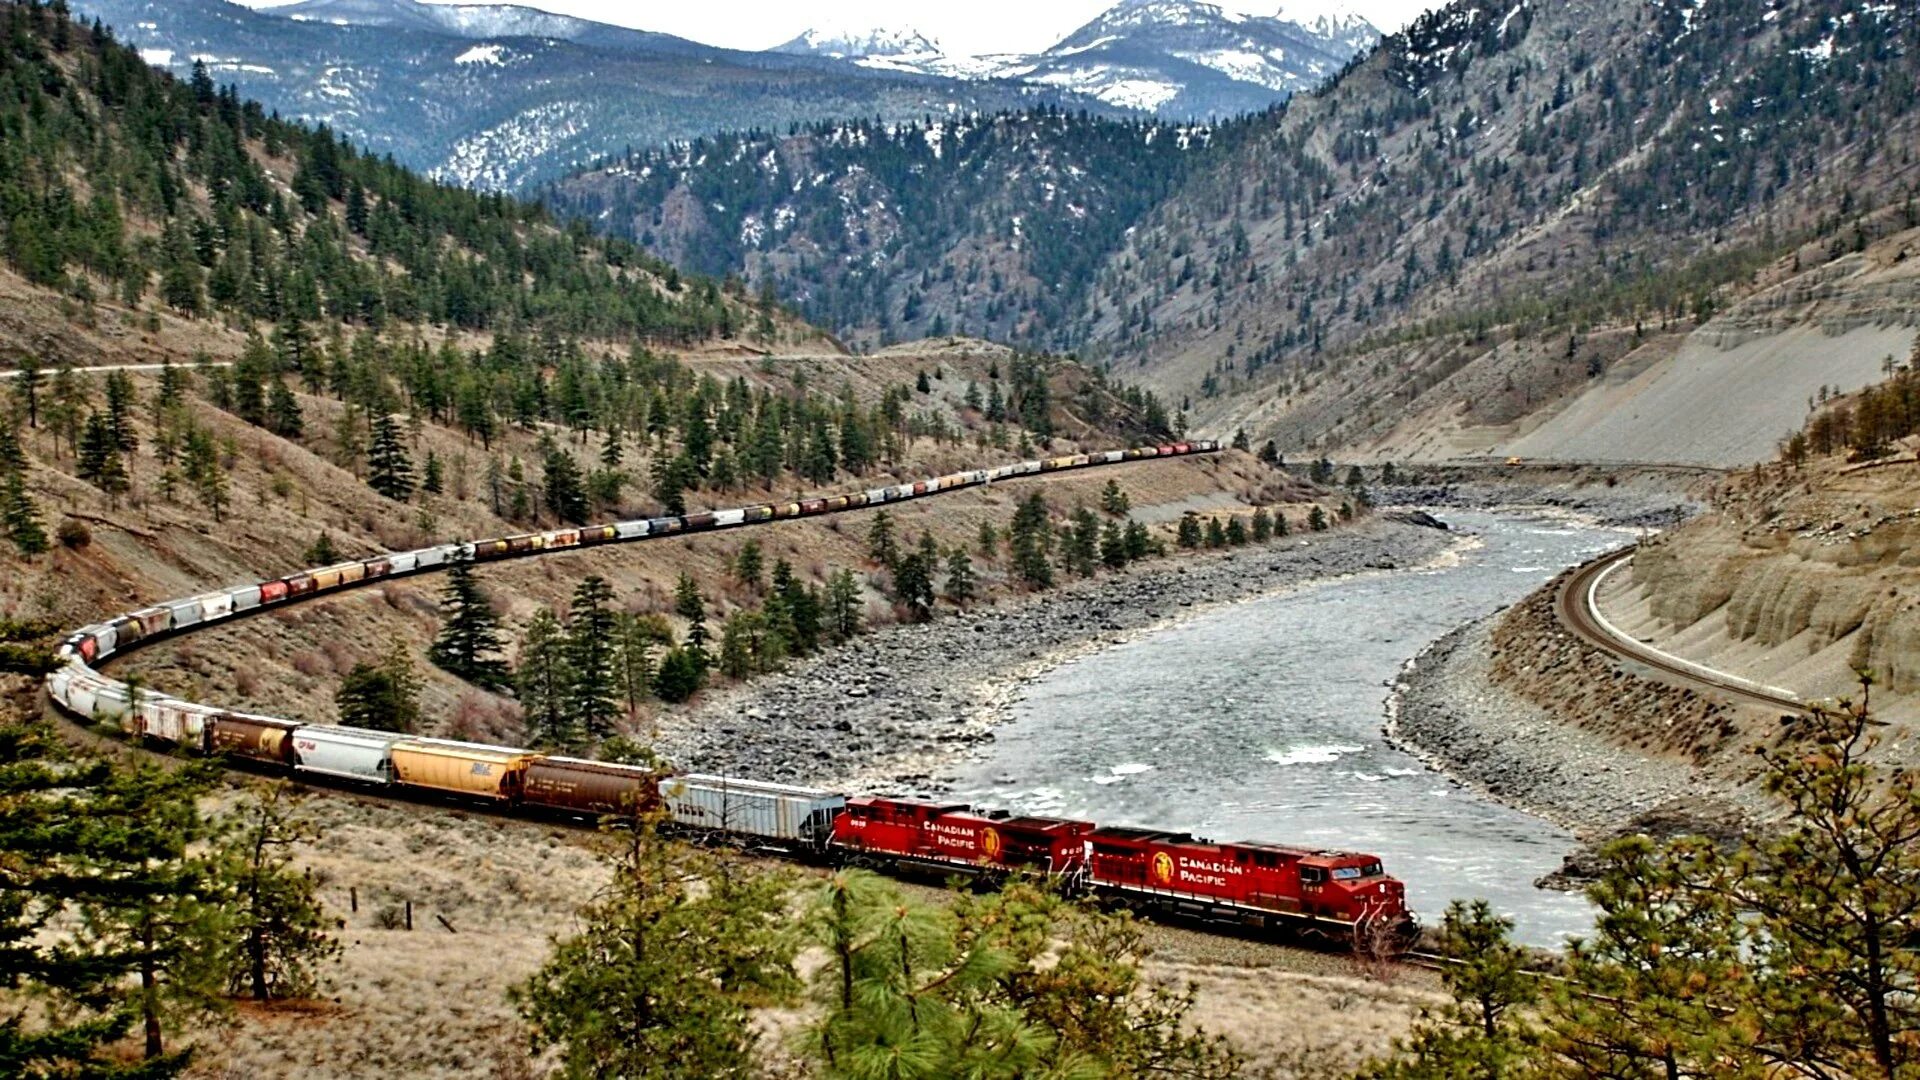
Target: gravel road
x,y
891,709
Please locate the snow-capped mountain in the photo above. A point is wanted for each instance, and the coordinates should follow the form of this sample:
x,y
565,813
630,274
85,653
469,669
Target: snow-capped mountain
x,y
502,96
853,43
1179,59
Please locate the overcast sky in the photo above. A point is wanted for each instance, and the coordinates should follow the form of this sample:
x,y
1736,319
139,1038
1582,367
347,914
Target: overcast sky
x,y
961,26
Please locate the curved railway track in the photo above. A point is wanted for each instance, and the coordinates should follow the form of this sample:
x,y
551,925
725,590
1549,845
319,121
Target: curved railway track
x,y
1577,609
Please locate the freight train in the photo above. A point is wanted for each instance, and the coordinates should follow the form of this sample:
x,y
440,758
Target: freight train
x,y
1328,894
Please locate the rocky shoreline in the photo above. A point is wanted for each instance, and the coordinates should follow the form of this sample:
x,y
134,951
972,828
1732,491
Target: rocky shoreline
x,y
892,709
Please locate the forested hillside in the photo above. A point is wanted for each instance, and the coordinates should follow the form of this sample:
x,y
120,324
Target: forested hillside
x,y
120,185
1501,203
993,226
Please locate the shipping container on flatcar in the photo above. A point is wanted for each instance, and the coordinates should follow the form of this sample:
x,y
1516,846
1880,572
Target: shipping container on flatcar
x,y
266,739
589,787
488,772
348,753
779,814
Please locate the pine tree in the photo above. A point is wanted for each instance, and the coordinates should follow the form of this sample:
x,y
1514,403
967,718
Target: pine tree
x,y
689,605
989,540
590,699
284,417
634,639
844,606
1115,501
913,586
748,565
1113,546
100,462
1216,534
1482,1031
1083,542
542,682
658,983
1317,519
962,585
278,928
1030,539
469,644
121,403
1236,535
1189,535
1262,526
20,516
389,470
1140,543
680,675
383,696
566,496
882,547
432,480
26,388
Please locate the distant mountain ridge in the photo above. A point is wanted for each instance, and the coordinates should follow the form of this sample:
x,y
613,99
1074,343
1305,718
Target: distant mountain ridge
x,y
1176,59
503,97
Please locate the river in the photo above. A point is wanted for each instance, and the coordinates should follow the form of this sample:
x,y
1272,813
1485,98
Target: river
x,y
1262,721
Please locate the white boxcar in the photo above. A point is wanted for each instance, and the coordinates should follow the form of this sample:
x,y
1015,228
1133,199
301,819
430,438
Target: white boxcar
x,y
172,720
347,752
728,518
780,812
630,530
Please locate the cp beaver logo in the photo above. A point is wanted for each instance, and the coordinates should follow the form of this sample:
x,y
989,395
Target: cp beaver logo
x,y
1162,868
990,843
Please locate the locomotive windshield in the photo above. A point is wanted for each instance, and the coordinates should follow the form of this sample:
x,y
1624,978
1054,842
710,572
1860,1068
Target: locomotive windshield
x,y
1350,873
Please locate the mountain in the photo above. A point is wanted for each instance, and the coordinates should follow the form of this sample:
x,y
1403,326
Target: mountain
x,y
1177,59
890,232
500,97
1508,229
856,44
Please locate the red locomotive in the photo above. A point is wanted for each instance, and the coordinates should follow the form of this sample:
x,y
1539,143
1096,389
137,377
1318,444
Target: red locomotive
x,y
1325,893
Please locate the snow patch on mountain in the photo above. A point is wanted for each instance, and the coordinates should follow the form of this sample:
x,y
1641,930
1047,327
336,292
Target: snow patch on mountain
x,y
856,43
482,54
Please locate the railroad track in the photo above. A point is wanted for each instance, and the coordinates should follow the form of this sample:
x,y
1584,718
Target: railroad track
x,y
1577,610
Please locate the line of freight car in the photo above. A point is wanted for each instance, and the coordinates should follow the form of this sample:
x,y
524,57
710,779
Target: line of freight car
x,y
1328,895
97,642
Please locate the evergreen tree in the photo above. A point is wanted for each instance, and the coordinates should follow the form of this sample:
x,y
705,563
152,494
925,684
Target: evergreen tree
x,y
284,417
100,462
748,565
121,403
1115,501
542,682
1083,542
566,496
1030,539
1262,526
1482,1031
382,696
18,514
634,639
1236,532
913,586
389,470
1280,526
1113,546
989,540
658,983
590,701
1140,543
882,547
844,606
962,585
740,639
431,480
1189,534
1216,534
469,643
279,929
1317,519
27,381
691,606
680,675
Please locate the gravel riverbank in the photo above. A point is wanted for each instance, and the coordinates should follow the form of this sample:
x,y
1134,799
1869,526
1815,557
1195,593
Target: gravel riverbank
x,y
891,709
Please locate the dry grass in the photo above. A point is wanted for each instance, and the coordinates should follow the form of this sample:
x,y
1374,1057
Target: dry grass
x,y
432,1004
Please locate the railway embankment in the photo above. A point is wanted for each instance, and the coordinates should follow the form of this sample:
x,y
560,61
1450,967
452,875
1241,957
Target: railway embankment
x,y
891,710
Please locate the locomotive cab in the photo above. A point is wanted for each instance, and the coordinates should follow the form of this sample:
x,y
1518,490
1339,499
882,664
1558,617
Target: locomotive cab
x,y
1353,888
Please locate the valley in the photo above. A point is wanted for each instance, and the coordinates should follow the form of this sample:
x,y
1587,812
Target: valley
x,y
1524,440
